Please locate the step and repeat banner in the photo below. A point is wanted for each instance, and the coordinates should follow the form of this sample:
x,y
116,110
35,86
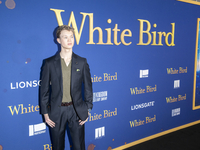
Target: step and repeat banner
x,y
144,61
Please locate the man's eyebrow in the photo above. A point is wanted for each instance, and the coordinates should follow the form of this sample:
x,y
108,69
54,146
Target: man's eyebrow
x,y
66,34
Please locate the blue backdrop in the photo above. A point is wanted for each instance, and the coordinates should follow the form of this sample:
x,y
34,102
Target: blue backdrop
x,y
141,56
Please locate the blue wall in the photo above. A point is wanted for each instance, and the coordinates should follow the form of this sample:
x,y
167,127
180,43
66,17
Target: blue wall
x,y
143,64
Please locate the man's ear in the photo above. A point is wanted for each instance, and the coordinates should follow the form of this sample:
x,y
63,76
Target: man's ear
x,y
58,40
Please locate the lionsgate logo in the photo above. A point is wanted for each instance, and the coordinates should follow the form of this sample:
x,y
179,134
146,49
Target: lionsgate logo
x,y
99,132
37,129
176,112
176,84
24,84
144,73
100,96
143,105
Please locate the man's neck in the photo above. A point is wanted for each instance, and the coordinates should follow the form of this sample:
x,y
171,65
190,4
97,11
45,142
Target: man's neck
x,y
66,54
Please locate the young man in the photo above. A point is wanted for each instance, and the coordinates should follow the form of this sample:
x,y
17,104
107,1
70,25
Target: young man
x,y
63,77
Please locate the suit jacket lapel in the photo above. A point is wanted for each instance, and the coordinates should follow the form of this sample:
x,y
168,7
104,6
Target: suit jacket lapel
x,y
73,69
58,69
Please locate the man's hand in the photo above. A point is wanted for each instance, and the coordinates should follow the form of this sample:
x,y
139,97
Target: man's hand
x,y
83,122
49,121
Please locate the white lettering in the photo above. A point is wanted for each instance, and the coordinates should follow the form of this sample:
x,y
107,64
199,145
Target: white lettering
x,y
11,86
143,105
20,84
25,84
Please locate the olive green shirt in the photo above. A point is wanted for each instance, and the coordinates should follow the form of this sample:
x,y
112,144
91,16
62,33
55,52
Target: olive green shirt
x,y
66,76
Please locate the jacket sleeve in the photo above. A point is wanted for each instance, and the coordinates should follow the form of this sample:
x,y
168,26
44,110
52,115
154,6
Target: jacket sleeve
x,y
44,88
88,92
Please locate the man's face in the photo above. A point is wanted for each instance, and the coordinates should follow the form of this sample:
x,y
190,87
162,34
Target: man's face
x,y
66,39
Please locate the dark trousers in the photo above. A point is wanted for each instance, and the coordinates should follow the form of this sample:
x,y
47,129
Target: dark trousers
x,y
68,117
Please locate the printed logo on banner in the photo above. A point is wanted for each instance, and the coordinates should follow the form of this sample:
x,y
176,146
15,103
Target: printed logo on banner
x,y
24,84
105,114
176,112
20,109
140,122
99,132
143,105
176,84
144,73
100,96
47,147
37,129
151,37
139,90
104,77
172,99
176,71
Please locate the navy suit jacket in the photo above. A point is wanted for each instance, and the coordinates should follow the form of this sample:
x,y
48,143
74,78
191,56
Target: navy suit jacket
x,y
51,89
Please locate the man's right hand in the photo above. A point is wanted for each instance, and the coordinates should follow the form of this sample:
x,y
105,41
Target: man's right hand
x,y
49,121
